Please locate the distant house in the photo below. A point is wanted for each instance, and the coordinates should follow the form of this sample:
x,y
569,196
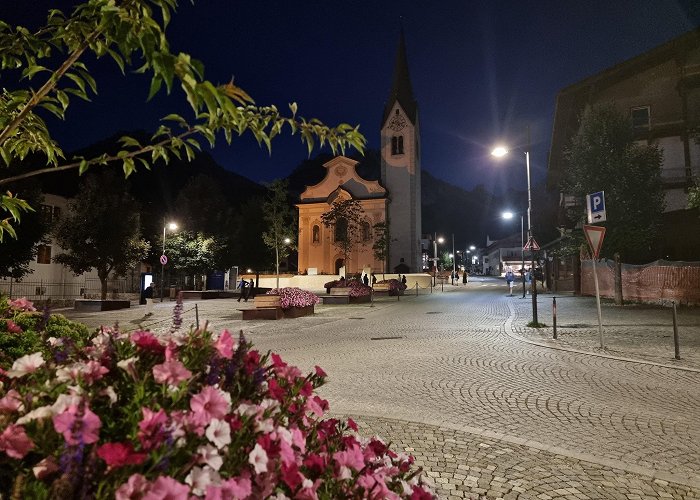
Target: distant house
x,y
660,92
504,253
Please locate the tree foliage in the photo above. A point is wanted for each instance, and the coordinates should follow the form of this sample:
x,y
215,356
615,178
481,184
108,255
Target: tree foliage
x,y
191,253
346,218
132,34
279,220
101,230
604,157
17,253
382,240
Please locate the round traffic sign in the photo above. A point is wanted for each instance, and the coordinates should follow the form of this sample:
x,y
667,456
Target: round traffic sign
x,y
163,259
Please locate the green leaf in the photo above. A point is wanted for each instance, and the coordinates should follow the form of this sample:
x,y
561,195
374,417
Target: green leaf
x,y
156,83
84,165
53,109
128,166
32,70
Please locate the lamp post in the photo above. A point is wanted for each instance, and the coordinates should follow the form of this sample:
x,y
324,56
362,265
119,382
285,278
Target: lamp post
x,y
509,215
436,240
286,241
163,259
501,151
453,259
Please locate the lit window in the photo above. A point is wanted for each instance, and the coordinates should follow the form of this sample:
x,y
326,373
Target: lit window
x,y
640,117
43,254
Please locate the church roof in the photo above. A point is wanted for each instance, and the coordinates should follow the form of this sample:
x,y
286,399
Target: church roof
x,y
401,90
341,174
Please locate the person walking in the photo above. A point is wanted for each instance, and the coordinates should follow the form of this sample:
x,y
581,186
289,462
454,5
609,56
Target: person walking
x,y
243,294
148,295
510,277
465,277
374,279
528,280
251,291
365,279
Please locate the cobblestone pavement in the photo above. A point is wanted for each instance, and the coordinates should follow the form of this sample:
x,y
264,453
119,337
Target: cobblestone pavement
x,y
456,376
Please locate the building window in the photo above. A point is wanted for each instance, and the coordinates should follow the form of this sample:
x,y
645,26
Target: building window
x,y
366,232
341,229
397,145
50,214
316,234
43,254
640,118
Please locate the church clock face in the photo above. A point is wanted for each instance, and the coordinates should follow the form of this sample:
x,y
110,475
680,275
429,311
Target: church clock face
x,y
397,122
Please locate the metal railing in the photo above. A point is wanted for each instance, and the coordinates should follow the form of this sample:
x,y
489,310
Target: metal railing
x,y
47,290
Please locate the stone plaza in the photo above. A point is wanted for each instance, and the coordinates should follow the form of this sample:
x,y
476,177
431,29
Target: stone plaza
x,y
489,407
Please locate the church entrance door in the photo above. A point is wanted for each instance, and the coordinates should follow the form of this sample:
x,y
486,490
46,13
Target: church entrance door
x,y
339,264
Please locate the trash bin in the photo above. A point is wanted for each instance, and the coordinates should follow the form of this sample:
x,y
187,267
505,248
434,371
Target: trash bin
x,y
173,292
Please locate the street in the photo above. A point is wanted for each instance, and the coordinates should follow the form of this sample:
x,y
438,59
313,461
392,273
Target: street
x,y
451,378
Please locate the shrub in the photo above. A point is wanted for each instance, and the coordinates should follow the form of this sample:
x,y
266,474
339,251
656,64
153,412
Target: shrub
x,y
182,415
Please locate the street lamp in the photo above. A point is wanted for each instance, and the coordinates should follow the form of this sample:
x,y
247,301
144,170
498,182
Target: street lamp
x,y
163,259
286,241
436,240
499,152
509,215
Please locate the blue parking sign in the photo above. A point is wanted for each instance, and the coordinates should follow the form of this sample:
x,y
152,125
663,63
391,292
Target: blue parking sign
x,y
595,202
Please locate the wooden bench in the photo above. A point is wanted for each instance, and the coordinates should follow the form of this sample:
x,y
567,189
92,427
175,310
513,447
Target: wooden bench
x,y
339,295
381,288
266,307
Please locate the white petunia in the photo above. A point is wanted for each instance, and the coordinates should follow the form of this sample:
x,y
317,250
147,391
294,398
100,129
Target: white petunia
x,y
219,433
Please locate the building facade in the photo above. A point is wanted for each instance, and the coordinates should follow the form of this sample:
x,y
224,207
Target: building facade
x,y
660,92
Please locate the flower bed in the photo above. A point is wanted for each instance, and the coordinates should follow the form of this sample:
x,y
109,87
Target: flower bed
x,y
395,286
182,415
294,297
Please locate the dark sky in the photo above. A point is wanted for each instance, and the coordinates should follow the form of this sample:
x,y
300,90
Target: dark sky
x,y
482,71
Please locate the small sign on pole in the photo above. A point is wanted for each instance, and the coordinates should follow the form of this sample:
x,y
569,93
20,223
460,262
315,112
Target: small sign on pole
x,y
163,259
531,245
595,203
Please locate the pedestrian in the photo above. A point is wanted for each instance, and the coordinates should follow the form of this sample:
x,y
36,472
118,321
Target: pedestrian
x,y
251,292
243,294
403,281
456,277
148,295
528,280
365,279
510,277
374,279
465,277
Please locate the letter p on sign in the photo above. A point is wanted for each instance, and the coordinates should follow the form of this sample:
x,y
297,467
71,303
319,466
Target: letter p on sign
x,y
595,202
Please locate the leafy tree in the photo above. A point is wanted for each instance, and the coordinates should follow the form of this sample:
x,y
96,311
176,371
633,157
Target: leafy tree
x,y
279,220
132,34
191,253
382,240
18,252
345,217
604,157
101,230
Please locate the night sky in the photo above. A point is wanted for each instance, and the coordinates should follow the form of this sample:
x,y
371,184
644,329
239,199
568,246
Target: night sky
x,y
482,71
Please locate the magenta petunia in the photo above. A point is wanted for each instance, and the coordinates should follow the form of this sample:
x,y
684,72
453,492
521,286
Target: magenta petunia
x,y
209,404
167,488
120,454
171,372
224,345
78,425
15,442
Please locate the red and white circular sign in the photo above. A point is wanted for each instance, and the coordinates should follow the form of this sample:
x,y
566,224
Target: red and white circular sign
x,y
163,259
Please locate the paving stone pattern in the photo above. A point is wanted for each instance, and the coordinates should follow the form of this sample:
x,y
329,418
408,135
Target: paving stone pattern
x,y
451,371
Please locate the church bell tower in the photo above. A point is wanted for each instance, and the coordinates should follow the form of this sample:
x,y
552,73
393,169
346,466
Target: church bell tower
x,y
401,167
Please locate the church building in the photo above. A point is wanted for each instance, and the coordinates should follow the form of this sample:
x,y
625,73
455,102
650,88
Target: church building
x,y
396,200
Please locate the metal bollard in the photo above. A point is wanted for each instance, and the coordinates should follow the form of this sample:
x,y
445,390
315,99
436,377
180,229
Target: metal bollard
x,y
196,315
676,340
554,316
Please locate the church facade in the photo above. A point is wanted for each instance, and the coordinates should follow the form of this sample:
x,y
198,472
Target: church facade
x,y
395,201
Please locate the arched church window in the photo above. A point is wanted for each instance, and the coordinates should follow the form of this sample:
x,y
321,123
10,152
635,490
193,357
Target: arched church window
x,y
366,233
316,234
397,145
341,229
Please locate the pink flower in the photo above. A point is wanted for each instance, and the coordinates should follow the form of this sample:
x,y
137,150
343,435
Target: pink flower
x,y
133,489
210,456
351,457
15,442
147,342
26,364
13,327
319,371
258,459
230,489
152,428
208,404
200,478
45,468
78,425
12,402
167,488
171,372
317,405
120,454
224,345
21,305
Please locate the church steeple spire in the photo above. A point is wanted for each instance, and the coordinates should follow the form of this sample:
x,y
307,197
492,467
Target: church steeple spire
x,y
401,90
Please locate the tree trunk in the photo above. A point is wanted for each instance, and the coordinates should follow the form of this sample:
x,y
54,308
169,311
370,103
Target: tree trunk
x,y
103,287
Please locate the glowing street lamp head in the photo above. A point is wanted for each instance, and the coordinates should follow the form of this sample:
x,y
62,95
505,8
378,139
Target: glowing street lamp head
x,y
287,241
472,247
440,239
507,215
499,151
172,226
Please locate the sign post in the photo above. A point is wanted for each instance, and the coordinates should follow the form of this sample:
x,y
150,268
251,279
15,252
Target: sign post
x,y
594,236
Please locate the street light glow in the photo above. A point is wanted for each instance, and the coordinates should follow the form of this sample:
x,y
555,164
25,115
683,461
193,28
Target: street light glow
x,y
472,247
172,226
440,240
287,241
507,215
499,151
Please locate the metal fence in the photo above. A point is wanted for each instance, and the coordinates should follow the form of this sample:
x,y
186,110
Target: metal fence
x,y
88,288
661,281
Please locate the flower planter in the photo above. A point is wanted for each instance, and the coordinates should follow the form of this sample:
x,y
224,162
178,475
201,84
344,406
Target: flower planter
x,y
267,301
298,312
